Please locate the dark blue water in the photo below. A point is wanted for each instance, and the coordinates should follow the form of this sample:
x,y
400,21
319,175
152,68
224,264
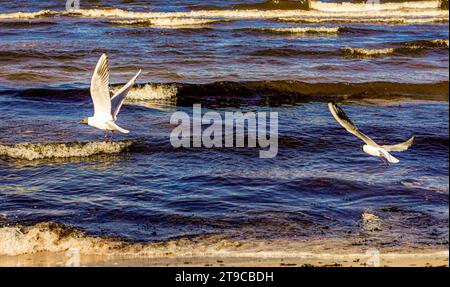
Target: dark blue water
x,y
388,68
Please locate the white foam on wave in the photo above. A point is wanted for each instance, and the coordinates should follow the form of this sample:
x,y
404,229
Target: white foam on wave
x,y
35,151
403,48
368,52
410,12
28,15
53,237
303,30
385,20
358,7
443,42
43,237
424,44
151,92
168,22
258,14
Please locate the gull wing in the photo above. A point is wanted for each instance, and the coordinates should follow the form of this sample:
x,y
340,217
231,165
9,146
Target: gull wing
x,y
344,121
100,89
401,146
119,97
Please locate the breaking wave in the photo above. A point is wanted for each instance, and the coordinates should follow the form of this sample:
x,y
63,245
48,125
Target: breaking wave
x,y
275,5
403,48
407,12
151,92
275,93
357,20
272,93
36,151
368,52
406,48
358,7
322,30
421,44
166,22
29,15
301,30
55,237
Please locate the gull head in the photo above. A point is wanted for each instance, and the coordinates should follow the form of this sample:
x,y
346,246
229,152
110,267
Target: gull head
x,y
84,121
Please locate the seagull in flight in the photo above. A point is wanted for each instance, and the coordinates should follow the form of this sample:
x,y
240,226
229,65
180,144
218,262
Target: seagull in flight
x,y
106,107
370,146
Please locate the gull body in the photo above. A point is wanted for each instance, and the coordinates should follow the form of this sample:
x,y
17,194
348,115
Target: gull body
x,y
106,107
370,147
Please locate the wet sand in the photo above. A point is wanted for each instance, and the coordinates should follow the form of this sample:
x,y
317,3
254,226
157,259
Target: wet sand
x,y
47,259
190,253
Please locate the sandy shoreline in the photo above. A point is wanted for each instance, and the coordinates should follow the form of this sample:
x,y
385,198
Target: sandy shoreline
x,y
403,259
51,244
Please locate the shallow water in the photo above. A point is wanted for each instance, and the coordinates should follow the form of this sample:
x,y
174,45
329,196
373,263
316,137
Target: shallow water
x,y
392,78
320,180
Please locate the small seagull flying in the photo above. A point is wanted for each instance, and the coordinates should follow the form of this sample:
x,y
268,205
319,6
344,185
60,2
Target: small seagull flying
x,y
106,107
370,146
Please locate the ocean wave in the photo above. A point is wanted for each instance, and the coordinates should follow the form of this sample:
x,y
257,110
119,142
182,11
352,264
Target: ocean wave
x,y
29,15
368,52
275,93
301,30
49,236
275,5
357,20
257,14
150,92
419,11
36,151
420,44
167,22
64,245
358,7
54,237
140,92
307,30
405,48
272,93
402,48
291,52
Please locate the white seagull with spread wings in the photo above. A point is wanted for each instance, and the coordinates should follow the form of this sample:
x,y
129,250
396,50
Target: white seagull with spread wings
x,y
370,147
106,107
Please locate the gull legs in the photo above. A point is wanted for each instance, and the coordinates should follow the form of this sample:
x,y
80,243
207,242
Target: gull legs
x,y
384,161
106,136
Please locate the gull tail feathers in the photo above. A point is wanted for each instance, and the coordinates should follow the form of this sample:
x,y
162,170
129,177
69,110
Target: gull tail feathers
x,y
389,157
401,146
115,127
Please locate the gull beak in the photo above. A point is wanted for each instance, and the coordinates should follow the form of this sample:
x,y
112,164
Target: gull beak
x,y
84,121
